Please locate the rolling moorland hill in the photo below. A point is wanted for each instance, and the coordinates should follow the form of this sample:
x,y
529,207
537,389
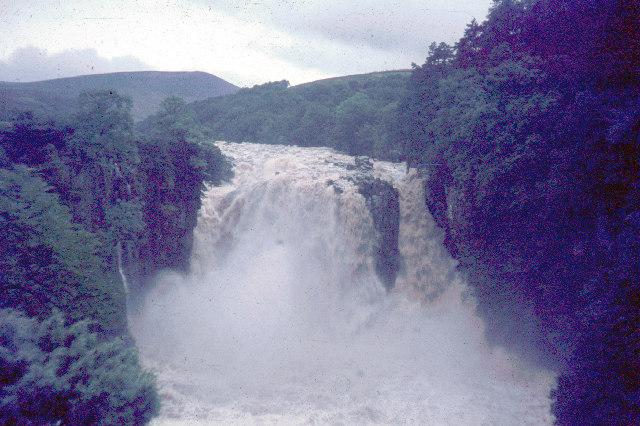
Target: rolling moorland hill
x,y
147,88
370,77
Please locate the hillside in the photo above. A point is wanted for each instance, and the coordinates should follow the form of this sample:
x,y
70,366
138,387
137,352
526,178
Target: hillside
x,y
356,114
347,79
147,88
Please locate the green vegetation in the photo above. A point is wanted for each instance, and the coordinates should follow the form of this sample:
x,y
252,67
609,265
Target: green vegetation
x,y
175,161
147,89
82,196
49,262
528,133
355,114
528,130
56,372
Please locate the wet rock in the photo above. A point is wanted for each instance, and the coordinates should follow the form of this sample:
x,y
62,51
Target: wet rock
x,y
382,199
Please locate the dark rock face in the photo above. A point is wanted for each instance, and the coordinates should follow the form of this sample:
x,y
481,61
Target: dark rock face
x,y
383,201
148,211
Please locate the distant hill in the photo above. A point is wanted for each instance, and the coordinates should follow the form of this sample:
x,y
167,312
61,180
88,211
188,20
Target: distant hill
x,y
355,113
147,88
359,78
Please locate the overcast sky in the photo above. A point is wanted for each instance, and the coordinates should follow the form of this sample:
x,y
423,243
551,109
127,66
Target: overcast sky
x,y
244,42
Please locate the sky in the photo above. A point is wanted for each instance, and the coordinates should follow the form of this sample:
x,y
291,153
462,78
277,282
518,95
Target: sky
x,y
244,42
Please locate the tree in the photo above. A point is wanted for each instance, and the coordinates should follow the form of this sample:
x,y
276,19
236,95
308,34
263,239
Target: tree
x,y
176,164
315,126
54,371
351,116
440,55
172,124
47,261
104,126
534,131
28,140
468,47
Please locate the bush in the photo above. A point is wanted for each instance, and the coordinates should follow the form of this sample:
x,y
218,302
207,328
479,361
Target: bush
x,y
56,372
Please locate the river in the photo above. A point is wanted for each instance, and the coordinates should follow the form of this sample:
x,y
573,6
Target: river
x,y
283,320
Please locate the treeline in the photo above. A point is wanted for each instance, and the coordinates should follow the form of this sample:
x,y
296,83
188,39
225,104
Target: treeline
x,y
356,114
529,131
86,200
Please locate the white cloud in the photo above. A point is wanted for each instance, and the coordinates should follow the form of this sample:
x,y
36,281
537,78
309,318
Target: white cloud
x,y
33,64
379,24
245,42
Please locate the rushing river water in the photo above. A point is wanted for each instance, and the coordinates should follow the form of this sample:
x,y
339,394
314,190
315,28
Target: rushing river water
x,y
283,320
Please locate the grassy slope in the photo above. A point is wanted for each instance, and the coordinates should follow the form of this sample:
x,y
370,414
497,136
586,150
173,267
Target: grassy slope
x,y
345,80
147,88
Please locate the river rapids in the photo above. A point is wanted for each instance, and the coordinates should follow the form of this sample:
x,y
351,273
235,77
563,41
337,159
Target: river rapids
x,y
283,320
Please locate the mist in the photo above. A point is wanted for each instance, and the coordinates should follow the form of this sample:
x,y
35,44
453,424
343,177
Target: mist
x,y
283,319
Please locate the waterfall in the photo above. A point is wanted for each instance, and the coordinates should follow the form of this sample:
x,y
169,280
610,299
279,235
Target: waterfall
x,y
282,319
121,271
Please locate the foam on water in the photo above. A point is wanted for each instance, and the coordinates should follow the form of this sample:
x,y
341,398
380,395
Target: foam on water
x,y
282,319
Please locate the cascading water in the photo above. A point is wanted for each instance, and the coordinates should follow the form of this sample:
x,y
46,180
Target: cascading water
x,y
283,320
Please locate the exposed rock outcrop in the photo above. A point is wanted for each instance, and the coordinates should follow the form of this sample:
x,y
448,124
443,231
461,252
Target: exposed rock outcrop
x,y
382,200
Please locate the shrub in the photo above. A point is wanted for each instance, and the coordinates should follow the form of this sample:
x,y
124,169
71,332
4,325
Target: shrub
x,y
56,372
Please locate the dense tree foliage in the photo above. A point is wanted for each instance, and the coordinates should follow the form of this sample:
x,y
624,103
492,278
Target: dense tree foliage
x,y
58,373
47,261
356,114
175,162
529,131
83,199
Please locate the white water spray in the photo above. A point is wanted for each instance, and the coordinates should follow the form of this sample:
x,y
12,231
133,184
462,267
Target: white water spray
x,y
283,320
123,275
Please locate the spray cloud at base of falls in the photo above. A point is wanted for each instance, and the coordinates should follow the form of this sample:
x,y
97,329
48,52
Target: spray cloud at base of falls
x,y
284,320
